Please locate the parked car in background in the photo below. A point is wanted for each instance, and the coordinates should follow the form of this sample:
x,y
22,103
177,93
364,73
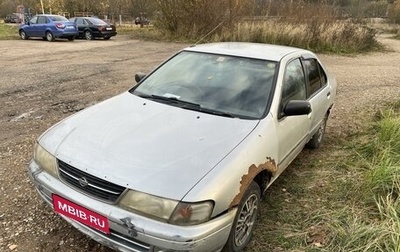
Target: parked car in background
x,y
181,161
92,27
12,18
142,21
49,27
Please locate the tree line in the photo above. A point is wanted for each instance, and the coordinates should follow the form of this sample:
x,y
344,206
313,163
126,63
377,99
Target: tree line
x,y
197,8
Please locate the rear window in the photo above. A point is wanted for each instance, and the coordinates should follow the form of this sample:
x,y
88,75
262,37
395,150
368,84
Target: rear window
x,y
58,18
97,21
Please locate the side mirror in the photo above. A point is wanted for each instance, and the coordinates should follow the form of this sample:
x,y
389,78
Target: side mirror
x,y
297,107
139,77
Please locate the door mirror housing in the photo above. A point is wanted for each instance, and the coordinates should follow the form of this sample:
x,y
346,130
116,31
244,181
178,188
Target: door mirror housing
x,y
297,107
139,77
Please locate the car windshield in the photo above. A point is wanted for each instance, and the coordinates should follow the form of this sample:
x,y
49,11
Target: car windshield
x,y
227,85
58,18
97,21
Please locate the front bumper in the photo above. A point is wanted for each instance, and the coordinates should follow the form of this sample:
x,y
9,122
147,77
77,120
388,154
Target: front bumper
x,y
144,234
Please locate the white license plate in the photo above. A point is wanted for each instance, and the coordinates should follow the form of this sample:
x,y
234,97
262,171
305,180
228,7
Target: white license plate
x,y
108,28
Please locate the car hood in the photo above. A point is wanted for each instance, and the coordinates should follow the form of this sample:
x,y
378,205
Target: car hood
x,y
145,145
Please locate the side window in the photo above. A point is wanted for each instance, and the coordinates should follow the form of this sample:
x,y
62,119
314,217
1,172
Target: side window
x,y
79,21
42,20
312,75
324,79
294,85
33,20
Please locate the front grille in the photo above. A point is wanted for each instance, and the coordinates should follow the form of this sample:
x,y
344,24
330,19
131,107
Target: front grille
x,y
92,185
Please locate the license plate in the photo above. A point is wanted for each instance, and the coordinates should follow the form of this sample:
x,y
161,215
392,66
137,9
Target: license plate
x,y
108,28
80,214
70,27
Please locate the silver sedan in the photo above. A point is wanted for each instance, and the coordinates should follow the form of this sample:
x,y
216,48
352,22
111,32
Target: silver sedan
x,y
180,161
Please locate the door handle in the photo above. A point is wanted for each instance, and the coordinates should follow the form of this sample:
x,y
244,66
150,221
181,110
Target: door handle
x,y
328,95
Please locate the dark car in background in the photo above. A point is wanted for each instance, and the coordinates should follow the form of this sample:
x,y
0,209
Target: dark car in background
x,y
12,18
92,27
49,27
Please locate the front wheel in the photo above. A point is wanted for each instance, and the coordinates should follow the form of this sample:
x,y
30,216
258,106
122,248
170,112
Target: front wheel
x,y
49,36
23,35
246,217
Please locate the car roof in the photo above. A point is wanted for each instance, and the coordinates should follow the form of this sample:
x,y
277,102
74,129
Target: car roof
x,y
49,15
248,50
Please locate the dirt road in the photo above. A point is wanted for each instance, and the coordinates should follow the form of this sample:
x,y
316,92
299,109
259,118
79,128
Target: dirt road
x,y
43,82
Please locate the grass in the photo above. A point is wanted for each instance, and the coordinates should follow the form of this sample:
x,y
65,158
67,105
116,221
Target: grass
x,y
8,31
342,197
318,35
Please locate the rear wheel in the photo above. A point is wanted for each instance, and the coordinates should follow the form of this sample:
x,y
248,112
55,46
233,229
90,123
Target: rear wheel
x,y
71,38
23,35
107,38
246,216
88,35
317,138
49,36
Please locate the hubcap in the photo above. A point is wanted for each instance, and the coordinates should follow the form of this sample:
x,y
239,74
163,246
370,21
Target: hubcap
x,y
246,219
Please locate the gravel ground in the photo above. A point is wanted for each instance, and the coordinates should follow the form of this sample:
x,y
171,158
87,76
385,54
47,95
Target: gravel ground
x,y
43,82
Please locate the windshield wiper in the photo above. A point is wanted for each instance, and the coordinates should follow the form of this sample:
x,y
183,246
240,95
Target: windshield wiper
x,y
186,104
173,99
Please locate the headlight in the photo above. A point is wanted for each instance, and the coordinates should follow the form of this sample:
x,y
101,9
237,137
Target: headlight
x,y
174,212
148,204
45,160
192,213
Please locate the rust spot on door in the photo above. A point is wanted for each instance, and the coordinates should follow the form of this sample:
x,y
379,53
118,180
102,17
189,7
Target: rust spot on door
x,y
254,170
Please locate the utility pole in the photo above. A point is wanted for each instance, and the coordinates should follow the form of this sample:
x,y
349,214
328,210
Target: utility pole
x,y
41,3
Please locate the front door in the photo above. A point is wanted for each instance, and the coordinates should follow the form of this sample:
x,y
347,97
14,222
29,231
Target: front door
x,y
292,130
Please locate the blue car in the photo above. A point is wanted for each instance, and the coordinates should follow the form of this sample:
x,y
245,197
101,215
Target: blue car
x,y
49,27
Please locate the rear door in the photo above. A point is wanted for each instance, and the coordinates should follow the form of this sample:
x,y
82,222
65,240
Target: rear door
x,y
318,92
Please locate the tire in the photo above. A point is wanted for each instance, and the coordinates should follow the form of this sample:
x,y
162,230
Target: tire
x,y
318,137
245,219
107,38
71,38
23,35
88,35
50,36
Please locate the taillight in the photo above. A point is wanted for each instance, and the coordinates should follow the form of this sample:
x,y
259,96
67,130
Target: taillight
x,y
60,26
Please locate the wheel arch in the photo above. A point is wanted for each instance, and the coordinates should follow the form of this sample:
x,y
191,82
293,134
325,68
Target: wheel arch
x,y
262,179
260,174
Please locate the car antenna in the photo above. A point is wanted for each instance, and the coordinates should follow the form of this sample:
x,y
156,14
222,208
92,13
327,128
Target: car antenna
x,y
216,27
